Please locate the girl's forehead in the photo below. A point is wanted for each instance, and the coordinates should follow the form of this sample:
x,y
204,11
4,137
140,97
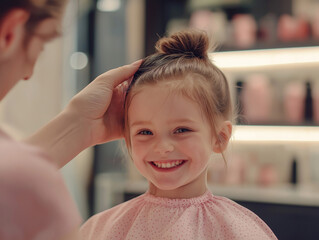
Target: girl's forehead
x,y
167,88
171,84
151,91
167,102
155,97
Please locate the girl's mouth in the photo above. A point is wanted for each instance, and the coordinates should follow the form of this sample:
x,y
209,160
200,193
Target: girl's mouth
x,y
167,165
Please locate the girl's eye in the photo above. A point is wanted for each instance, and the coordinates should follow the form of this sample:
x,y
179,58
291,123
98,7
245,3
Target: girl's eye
x,y
182,130
145,132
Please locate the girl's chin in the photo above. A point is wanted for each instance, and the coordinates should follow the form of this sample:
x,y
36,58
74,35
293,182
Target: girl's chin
x,y
165,191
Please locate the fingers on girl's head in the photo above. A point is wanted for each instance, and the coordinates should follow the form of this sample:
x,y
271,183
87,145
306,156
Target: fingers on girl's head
x,y
122,86
124,73
137,63
129,80
125,84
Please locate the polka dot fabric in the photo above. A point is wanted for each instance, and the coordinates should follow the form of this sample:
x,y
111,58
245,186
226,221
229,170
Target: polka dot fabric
x,y
204,217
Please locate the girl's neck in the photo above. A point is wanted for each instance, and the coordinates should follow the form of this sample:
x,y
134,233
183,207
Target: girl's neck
x,y
193,189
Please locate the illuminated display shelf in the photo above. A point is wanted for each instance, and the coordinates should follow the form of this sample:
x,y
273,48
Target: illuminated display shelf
x,y
279,59
275,134
267,58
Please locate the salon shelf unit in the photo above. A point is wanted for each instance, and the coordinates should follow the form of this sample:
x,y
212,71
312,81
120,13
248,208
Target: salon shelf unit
x,y
265,59
283,63
276,134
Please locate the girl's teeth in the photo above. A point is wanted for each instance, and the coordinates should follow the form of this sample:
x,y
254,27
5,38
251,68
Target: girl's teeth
x,y
168,165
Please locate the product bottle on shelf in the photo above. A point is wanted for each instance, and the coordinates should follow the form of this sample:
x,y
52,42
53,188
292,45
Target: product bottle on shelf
x,y
294,171
308,104
239,106
294,103
257,99
315,103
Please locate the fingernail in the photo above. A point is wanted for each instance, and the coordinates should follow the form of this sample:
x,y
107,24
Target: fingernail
x,y
137,62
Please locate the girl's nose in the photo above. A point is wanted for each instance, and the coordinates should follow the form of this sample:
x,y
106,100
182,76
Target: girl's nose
x,y
163,147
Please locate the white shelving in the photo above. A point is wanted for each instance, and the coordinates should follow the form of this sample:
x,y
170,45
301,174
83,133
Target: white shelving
x,y
292,61
268,58
276,134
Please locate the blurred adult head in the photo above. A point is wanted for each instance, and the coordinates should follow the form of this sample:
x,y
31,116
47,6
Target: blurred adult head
x,y
25,27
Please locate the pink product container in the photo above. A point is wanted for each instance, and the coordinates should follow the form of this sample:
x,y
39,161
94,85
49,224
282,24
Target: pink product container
x,y
244,30
294,103
257,99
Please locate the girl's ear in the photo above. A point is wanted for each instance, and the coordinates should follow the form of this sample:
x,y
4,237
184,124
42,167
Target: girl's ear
x,y
12,29
223,135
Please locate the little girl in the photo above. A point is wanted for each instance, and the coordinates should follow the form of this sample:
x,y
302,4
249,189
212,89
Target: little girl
x,y
177,113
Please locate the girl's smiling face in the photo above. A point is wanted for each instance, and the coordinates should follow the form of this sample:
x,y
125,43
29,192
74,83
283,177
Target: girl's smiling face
x,y
171,142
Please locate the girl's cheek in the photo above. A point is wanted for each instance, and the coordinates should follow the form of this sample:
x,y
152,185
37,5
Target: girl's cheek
x,y
192,146
139,148
187,143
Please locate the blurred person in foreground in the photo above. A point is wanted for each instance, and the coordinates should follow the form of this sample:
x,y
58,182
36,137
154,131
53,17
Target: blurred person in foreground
x,y
34,201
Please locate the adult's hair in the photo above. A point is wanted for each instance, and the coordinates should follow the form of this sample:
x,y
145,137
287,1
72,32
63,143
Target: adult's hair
x,y
38,9
182,64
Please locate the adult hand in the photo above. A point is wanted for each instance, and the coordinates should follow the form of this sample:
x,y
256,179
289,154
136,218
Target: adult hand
x,y
101,104
93,116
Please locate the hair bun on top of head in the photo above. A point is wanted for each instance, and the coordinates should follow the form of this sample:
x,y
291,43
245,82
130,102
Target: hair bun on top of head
x,y
191,43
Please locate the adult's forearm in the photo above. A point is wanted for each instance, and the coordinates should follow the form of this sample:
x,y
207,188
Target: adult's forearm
x,y
62,138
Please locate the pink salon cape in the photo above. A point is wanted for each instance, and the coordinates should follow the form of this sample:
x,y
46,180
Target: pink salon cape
x,y
34,202
204,217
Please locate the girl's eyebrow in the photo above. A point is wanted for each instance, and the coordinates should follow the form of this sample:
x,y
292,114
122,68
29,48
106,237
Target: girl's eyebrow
x,y
178,120
182,120
138,123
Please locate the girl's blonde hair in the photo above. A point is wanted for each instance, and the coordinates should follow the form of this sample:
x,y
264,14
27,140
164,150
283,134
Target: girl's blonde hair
x,y
181,61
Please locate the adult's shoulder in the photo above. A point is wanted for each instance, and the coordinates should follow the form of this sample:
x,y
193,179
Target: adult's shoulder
x,y
23,163
31,186
13,151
